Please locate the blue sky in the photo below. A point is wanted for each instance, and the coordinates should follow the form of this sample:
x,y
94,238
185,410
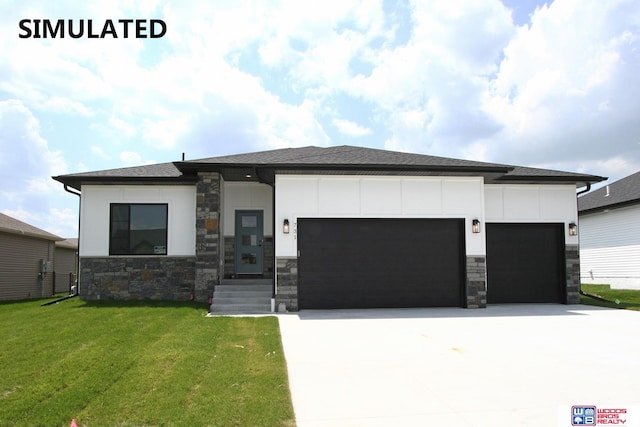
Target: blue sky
x,y
534,83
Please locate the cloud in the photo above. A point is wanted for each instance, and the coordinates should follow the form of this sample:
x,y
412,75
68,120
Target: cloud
x,y
567,87
99,152
26,166
130,158
350,128
444,77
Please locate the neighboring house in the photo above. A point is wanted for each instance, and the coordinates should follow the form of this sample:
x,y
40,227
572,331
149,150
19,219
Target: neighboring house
x,y
610,234
27,256
65,264
335,227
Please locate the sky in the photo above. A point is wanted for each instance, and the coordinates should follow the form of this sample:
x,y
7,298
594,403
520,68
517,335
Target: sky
x,y
550,84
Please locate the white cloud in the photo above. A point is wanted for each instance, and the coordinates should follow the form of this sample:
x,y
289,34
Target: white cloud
x,y
99,152
446,77
350,128
567,87
26,166
130,158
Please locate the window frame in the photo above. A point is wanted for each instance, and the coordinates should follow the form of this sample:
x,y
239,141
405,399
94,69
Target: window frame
x,y
129,252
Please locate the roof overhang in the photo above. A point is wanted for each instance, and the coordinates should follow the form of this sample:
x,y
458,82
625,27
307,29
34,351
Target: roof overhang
x,y
266,172
77,182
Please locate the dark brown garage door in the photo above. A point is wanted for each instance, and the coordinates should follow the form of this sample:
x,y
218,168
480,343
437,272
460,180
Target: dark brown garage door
x,y
369,263
525,263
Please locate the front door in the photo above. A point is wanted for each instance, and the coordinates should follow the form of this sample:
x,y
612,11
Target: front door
x,y
249,253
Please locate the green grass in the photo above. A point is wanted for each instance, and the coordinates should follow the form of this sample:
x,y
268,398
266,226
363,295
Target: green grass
x,y
628,299
139,364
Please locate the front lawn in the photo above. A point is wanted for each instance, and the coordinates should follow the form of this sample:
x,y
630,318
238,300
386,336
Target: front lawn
x,y
134,364
619,298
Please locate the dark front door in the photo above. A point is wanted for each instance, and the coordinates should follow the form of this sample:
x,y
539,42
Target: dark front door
x,y
249,251
368,263
525,263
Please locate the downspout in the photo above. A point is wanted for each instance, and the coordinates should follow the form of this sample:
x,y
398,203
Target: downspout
x,y
577,195
77,261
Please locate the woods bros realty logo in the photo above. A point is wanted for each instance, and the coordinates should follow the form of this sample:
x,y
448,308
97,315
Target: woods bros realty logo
x,y
77,28
589,415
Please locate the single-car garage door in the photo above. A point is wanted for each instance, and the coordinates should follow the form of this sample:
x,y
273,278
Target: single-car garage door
x,y
525,263
369,263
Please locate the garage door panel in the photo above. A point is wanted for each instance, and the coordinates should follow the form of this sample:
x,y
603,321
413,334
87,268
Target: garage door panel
x,y
366,263
525,263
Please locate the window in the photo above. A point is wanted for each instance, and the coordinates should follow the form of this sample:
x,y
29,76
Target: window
x,y
138,229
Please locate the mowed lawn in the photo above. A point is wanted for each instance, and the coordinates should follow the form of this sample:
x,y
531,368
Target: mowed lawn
x,y
619,298
139,364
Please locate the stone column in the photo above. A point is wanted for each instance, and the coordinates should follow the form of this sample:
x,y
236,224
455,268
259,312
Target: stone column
x,y
476,282
572,259
208,249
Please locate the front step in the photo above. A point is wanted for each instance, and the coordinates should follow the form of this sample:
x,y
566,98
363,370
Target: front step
x,y
242,296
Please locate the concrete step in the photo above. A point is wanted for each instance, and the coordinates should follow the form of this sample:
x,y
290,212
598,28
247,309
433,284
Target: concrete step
x,y
236,282
242,296
241,300
241,308
248,294
241,288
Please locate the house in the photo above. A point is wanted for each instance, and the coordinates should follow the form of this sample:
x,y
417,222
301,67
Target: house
x,y
334,227
64,265
27,256
610,234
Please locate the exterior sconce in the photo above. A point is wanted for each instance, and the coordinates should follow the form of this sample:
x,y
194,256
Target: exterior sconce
x,y
285,226
573,229
475,225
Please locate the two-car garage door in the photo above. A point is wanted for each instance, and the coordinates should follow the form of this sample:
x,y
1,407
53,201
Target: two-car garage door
x,y
368,263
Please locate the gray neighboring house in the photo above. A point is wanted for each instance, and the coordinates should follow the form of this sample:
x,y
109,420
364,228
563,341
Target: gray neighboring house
x,y
65,265
610,234
27,256
333,227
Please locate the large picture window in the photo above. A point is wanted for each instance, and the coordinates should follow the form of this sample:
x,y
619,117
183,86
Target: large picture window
x,y
138,229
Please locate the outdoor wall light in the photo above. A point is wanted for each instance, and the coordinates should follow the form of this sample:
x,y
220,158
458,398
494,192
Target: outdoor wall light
x,y
475,225
573,229
285,226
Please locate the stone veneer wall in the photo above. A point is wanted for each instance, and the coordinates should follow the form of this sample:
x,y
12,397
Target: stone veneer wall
x,y
572,260
137,278
287,283
230,253
476,282
208,206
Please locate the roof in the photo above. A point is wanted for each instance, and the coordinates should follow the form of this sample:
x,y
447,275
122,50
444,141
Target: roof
x,y
623,192
68,244
264,165
14,226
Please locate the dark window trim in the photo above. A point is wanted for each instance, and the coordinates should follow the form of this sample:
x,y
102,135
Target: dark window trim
x,y
166,227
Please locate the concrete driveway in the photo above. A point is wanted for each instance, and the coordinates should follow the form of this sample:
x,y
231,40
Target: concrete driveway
x,y
507,365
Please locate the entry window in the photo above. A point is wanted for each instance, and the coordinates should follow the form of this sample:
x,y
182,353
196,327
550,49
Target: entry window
x,y
249,258
138,229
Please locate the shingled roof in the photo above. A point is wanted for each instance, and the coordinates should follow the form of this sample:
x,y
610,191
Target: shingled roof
x,y
339,159
623,192
14,226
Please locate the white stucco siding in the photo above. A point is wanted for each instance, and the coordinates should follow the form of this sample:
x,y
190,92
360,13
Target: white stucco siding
x,y
247,196
610,248
95,212
532,203
299,196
